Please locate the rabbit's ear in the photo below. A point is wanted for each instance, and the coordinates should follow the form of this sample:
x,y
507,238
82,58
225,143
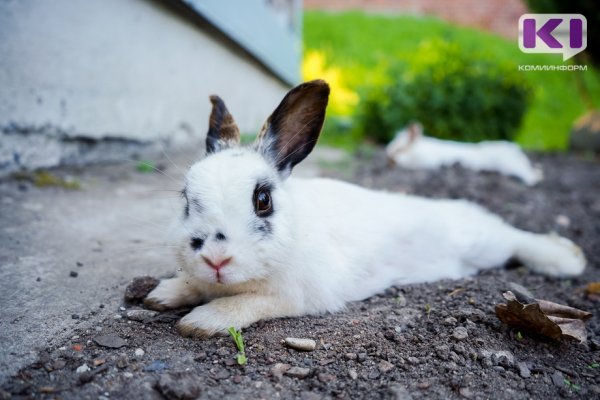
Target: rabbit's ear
x,y
415,131
222,129
292,131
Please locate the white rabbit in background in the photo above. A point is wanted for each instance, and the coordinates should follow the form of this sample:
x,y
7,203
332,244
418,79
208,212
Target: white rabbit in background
x,y
411,149
256,243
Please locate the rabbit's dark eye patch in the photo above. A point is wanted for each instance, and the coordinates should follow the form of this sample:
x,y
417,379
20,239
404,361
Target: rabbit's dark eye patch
x,y
262,199
196,243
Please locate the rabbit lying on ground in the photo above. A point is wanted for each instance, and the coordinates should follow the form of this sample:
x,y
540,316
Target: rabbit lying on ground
x,y
257,243
411,149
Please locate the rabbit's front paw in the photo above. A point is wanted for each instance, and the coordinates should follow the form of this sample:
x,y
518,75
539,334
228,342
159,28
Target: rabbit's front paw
x,y
171,293
205,321
237,311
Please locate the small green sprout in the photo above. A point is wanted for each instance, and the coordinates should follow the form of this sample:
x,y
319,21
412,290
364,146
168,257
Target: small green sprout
x,y
239,343
427,310
571,385
593,366
145,167
519,335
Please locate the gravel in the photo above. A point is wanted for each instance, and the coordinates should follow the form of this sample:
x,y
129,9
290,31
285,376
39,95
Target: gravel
x,y
458,348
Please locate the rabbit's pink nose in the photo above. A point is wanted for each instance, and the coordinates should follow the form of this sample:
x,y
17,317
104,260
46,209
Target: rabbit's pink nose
x,y
217,263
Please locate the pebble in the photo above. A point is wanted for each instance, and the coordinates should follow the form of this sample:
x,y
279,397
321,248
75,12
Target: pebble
x,y
83,368
182,386
460,333
155,366
74,316
385,366
450,321
350,356
324,377
139,352
300,344
73,274
279,369
128,374
352,374
111,340
558,379
140,287
374,374
413,360
222,374
298,372
524,371
563,220
141,315
424,385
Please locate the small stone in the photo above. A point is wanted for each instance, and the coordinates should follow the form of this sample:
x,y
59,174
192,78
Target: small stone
x,y
298,372
139,288
279,369
201,356
121,308
424,385
385,366
181,386
58,364
74,316
73,274
450,321
361,357
141,315
413,360
98,362
323,377
558,379
156,366
237,379
79,264
465,392
300,344
139,352
38,279
352,374
222,374
399,392
374,374
128,374
460,333
350,356
111,341
83,368
563,220
524,371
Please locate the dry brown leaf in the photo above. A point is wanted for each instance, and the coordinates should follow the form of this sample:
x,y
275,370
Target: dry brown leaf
x,y
544,317
592,289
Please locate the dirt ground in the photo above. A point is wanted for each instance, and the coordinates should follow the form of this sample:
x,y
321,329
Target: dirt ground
x,y
405,343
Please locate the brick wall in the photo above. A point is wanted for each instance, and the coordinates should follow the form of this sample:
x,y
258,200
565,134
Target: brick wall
x,y
498,16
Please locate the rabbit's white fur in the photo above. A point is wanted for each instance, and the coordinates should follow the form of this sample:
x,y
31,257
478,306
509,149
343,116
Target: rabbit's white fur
x,y
411,149
326,243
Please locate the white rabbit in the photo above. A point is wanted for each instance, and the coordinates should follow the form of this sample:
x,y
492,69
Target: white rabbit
x,y
256,243
411,149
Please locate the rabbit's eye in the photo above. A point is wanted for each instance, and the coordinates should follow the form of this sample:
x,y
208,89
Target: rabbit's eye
x,y
262,202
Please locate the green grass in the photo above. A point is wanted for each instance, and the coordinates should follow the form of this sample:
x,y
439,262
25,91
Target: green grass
x,y
238,339
363,45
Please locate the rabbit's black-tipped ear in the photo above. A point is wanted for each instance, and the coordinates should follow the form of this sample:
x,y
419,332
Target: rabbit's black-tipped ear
x,y
222,129
292,131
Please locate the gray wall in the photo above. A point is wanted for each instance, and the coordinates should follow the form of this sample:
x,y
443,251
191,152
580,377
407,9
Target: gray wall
x,y
121,71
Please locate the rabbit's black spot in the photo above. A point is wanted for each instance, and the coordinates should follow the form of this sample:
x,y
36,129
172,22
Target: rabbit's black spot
x,y
197,243
262,199
265,227
219,236
186,208
197,205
